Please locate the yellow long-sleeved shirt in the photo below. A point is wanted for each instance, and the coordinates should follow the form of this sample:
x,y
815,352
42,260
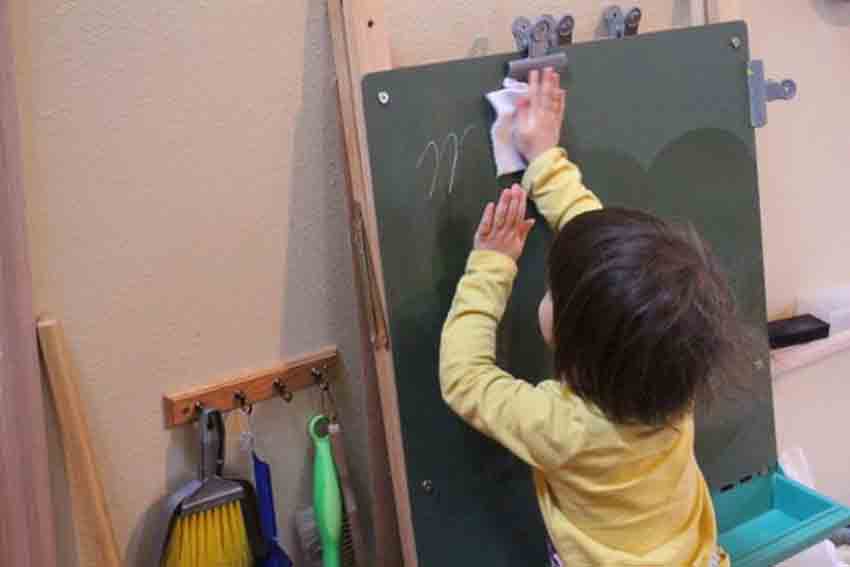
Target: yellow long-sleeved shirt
x,y
609,494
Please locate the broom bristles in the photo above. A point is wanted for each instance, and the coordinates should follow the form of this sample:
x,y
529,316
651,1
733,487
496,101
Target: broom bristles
x,y
311,545
211,538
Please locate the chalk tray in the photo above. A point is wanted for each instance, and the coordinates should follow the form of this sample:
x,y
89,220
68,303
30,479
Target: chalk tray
x,y
770,517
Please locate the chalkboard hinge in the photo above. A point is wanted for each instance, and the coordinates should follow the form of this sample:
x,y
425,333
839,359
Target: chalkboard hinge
x,y
372,293
763,91
540,41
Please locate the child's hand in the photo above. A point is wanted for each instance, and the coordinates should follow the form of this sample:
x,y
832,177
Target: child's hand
x,y
504,227
540,114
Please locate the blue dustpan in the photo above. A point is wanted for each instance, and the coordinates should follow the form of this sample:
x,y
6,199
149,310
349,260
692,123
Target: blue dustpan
x,y
277,557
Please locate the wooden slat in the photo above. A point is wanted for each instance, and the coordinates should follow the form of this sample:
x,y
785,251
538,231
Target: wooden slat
x,y
361,46
87,496
27,535
256,386
723,10
698,9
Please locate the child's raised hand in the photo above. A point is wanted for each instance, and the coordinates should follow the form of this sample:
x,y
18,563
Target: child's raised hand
x,y
540,114
503,226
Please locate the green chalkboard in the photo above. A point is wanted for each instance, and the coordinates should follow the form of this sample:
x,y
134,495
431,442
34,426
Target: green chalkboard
x,y
658,122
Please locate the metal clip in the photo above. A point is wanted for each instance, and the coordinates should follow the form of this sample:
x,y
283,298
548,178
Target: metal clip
x,y
622,25
538,40
763,91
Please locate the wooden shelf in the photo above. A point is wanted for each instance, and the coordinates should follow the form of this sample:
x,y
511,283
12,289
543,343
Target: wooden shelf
x,y
786,360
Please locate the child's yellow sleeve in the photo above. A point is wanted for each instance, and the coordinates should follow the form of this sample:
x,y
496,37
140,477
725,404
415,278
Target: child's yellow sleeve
x,y
554,184
538,424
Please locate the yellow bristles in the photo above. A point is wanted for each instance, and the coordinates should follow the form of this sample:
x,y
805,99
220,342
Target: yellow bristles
x,y
212,538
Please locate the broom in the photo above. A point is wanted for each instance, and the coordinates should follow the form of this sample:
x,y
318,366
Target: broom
x,y
217,523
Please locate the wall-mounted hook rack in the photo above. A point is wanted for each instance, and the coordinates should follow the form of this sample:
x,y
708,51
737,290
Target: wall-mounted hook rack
x,y
247,389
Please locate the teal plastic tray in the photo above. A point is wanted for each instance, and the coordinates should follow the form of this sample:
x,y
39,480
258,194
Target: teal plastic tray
x,y
769,518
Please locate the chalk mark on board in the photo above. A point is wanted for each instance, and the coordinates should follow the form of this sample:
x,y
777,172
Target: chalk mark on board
x,y
440,151
431,144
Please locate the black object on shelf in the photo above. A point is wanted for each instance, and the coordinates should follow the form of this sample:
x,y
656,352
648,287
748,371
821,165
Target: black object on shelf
x,y
796,330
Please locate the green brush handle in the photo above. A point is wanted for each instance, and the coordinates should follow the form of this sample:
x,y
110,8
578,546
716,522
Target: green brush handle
x,y
327,498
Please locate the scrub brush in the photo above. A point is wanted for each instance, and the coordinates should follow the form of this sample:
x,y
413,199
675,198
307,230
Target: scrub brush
x,y
351,547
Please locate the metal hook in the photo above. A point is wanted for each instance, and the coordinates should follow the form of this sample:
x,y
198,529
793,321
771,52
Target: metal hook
x,y
328,403
282,390
242,400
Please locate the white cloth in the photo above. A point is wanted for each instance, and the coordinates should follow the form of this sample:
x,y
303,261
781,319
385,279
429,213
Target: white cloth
x,y
504,101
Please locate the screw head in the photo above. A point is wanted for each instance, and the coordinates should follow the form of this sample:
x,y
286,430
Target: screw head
x,y
428,486
736,42
384,97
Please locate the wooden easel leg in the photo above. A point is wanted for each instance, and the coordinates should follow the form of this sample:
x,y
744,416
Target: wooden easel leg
x,y
361,45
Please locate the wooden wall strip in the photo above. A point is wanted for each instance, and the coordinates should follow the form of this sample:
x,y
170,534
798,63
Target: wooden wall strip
x,y
27,535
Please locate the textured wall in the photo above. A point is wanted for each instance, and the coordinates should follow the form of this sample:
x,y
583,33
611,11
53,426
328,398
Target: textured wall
x,y
803,151
450,29
186,222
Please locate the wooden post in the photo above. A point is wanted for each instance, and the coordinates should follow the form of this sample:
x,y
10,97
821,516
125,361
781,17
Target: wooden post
x,y
698,12
361,45
723,10
27,536
87,497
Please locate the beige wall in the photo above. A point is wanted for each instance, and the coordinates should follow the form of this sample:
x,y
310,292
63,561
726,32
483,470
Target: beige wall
x,y
183,174
803,160
804,151
187,221
448,29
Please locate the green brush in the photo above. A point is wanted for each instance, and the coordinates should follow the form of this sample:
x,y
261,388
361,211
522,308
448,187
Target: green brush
x,y
327,498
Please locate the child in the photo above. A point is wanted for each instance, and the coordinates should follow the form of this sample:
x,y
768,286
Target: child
x,y
639,318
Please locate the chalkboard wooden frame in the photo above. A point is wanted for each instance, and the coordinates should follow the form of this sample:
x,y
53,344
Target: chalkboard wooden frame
x,y
362,45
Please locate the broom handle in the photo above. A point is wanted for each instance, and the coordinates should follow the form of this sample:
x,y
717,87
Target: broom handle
x,y
79,456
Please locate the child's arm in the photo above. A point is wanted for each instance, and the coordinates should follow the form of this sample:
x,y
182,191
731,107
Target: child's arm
x,y
531,422
553,182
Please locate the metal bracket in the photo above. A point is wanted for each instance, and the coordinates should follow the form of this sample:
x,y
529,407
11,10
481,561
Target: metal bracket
x,y
622,25
378,326
540,40
763,91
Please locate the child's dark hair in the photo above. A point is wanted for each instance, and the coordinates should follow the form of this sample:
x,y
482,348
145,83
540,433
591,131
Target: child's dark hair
x,y
643,318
